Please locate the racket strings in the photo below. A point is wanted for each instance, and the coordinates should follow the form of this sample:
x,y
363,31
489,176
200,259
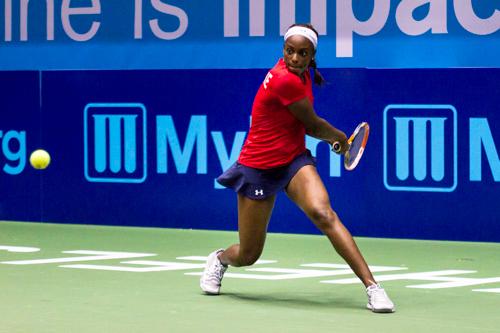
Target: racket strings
x,y
357,143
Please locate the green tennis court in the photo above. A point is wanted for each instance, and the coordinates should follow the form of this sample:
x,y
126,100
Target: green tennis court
x,y
80,278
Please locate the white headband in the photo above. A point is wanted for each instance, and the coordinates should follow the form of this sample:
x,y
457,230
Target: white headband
x,y
303,31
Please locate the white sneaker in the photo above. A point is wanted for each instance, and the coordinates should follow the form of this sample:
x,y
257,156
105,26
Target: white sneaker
x,y
378,301
211,278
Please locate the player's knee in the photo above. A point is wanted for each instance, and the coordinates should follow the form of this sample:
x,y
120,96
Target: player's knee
x,y
323,217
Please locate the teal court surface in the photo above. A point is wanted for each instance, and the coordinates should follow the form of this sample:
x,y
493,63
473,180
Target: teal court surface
x,y
80,278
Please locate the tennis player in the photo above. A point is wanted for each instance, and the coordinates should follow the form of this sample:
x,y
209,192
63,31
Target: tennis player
x,y
274,158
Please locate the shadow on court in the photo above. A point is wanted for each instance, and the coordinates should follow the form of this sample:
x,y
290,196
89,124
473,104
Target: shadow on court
x,y
289,299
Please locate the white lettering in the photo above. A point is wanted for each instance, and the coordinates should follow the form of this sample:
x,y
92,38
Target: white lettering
x,y
171,10
455,282
24,20
67,11
8,20
472,23
20,249
318,15
269,76
287,15
89,255
347,24
434,21
231,18
442,279
151,266
138,19
442,276
257,17
491,290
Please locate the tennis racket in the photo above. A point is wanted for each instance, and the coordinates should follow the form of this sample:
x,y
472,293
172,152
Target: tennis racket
x,y
357,143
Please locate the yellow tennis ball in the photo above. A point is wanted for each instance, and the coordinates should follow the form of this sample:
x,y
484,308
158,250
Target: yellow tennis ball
x,y
39,159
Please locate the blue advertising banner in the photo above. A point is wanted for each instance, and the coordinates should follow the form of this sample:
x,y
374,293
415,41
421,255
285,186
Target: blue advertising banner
x,y
179,34
143,148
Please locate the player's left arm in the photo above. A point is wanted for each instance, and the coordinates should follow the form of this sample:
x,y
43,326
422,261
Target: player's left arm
x,y
316,126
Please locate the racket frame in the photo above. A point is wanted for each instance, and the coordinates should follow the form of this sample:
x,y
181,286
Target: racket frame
x,y
336,147
361,149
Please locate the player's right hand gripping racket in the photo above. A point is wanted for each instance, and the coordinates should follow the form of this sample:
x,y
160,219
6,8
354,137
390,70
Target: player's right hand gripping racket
x,y
357,143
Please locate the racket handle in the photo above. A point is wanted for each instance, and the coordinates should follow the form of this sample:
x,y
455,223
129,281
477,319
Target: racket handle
x,y
336,147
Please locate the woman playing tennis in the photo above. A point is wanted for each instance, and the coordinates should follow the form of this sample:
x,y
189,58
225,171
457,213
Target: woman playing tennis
x,y
274,158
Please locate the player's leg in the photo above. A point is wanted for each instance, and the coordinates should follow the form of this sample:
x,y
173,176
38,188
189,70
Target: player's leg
x,y
307,190
253,219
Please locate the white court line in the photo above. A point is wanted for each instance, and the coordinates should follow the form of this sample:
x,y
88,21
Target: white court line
x,y
20,249
492,290
90,256
426,276
154,266
290,274
204,258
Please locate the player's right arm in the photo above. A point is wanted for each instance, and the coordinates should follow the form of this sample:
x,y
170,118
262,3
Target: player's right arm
x,y
316,126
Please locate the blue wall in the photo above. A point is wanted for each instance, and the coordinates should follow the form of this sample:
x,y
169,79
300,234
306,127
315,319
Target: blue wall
x,y
171,83
185,125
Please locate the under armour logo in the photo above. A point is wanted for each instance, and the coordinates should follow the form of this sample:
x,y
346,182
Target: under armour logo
x,y
259,192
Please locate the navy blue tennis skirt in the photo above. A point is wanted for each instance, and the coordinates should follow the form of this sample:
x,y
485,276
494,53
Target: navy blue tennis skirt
x,y
259,184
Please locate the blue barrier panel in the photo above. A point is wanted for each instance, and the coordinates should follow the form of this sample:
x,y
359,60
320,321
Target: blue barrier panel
x,y
20,133
143,148
176,34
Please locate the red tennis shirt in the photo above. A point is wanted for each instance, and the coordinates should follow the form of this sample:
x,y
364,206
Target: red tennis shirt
x,y
276,137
